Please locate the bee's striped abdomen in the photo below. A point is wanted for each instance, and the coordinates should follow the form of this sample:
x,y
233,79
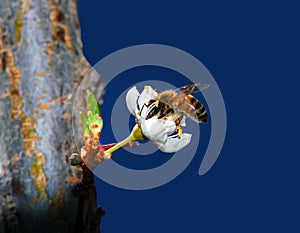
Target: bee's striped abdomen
x,y
199,112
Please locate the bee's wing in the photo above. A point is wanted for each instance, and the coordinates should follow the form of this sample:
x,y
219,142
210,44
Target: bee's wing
x,y
190,89
186,88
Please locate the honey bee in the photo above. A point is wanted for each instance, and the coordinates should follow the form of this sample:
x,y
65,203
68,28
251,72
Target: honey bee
x,y
179,103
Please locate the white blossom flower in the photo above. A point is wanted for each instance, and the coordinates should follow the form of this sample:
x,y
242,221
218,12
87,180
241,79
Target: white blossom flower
x,y
162,132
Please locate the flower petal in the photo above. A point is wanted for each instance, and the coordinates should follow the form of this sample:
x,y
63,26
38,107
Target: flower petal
x,y
169,126
157,129
174,144
153,129
147,94
131,100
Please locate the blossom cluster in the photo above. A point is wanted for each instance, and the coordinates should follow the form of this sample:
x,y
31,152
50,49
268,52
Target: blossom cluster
x,y
161,131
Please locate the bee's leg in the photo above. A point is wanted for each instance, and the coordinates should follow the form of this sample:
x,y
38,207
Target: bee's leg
x,y
144,105
179,131
140,110
152,110
182,118
178,127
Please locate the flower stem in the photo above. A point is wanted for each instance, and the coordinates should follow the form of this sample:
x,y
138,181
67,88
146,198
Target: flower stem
x,y
136,134
119,145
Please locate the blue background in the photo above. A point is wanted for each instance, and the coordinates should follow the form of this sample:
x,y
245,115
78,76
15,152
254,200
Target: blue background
x,y
252,50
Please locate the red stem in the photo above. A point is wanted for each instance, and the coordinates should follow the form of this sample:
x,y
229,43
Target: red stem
x,y
108,146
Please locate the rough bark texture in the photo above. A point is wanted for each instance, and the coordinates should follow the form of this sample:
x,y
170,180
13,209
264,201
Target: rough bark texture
x,y
88,217
41,65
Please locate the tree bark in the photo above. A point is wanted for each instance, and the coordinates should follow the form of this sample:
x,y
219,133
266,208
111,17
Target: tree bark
x,y
41,65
